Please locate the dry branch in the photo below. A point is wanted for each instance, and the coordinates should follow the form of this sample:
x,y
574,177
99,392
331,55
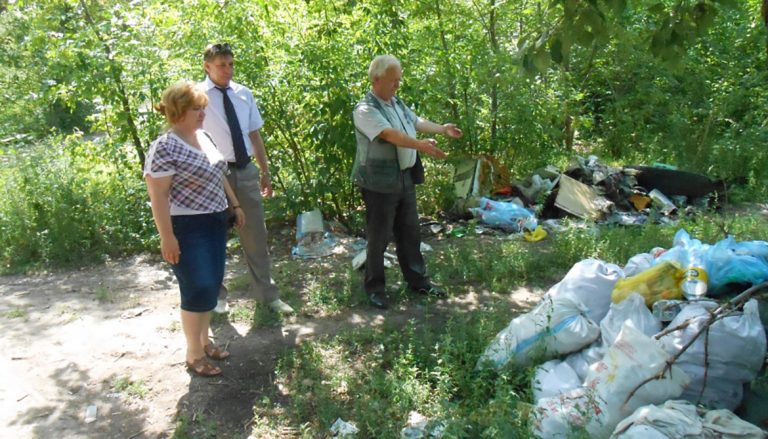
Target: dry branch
x,y
722,311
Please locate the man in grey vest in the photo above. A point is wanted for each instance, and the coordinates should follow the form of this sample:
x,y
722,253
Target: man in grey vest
x,y
387,166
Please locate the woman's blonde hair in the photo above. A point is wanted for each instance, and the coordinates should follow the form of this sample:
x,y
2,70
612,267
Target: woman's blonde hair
x,y
180,97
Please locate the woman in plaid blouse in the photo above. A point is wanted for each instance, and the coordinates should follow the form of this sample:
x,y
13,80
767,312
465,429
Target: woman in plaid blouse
x,y
188,192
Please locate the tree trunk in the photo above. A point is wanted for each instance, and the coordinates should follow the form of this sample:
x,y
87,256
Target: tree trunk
x,y
495,73
449,67
122,96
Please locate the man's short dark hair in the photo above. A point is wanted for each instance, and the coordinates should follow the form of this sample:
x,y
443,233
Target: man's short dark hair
x,y
218,49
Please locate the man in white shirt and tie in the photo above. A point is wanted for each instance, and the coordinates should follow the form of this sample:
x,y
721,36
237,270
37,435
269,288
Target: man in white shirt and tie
x,y
233,121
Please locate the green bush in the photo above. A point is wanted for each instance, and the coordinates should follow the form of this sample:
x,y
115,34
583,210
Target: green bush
x,y
70,202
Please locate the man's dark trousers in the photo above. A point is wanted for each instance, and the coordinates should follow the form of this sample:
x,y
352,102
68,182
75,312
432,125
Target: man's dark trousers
x,y
396,214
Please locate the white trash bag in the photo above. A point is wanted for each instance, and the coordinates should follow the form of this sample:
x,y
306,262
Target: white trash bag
x,y
581,361
735,353
553,378
633,311
633,358
677,419
557,325
592,281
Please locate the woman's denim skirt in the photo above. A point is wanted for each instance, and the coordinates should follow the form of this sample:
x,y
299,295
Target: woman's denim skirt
x,y
200,271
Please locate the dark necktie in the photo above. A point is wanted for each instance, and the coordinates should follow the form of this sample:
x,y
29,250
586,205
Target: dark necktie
x,y
238,144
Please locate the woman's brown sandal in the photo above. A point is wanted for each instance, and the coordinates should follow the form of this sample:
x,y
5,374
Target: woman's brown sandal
x,y
202,367
215,352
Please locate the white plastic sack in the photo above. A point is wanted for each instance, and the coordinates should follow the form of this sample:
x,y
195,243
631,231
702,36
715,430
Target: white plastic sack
x,y
736,350
631,360
592,281
557,416
683,420
673,419
632,311
638,263
581,360
556,326
553,378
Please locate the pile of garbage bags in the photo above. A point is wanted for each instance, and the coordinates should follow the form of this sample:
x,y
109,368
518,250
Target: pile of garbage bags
x,y
629,352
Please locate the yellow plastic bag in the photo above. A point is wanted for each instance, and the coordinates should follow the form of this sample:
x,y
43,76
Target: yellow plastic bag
x,y
654,284
536,235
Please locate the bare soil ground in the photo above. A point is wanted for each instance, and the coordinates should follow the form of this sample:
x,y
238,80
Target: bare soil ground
x,y
109,336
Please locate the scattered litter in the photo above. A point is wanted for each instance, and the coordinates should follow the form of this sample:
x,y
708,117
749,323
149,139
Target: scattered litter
x,y
341,429
90,414
312,239
507,216
664,204
132,313
535,236
420,427
424,247
435,228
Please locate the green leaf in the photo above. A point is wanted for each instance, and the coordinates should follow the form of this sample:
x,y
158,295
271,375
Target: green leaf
x,y
617,6
657,9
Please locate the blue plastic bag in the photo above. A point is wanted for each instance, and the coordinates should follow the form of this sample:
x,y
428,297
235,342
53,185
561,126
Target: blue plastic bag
x,y
508,216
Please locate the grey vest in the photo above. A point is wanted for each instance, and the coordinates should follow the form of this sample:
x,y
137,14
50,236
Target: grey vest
x,y
376,167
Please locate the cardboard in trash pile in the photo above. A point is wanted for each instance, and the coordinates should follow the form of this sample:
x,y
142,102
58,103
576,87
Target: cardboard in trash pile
x,y
478,177
581,200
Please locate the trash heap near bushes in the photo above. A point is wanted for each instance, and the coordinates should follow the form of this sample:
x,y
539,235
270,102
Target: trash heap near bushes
x,y
588,189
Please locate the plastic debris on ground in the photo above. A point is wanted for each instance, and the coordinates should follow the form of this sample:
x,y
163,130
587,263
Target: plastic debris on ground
x,y
420,427
359,260
587,189
342,428
90,414
312,239
508,216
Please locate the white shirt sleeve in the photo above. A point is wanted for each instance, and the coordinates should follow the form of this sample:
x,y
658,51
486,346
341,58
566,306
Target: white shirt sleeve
x,y
369,120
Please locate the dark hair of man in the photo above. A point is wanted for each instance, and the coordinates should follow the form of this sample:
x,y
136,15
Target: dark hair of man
x,y
218,49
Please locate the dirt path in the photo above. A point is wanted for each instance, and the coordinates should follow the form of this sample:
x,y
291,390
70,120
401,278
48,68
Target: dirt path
x,y
76,339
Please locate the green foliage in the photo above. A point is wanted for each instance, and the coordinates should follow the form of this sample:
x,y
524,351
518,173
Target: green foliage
x,y
531,83
67,203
